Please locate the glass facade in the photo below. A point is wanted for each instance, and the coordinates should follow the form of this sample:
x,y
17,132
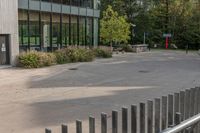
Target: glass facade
x,y
45,31
74,30
34,33
80,3
65,31
82,31
56,37
50,30
89,32
23,29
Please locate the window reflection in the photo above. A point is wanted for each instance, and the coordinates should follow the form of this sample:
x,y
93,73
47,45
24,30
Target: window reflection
x,y
23,30
56,42
34,30
74,29
81,3
89,32
82,31
45,28
65,30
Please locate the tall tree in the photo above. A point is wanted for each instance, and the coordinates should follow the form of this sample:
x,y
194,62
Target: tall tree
x,y
114,28
181,18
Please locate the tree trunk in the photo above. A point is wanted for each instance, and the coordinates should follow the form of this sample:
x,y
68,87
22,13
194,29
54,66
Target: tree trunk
x,y
111,46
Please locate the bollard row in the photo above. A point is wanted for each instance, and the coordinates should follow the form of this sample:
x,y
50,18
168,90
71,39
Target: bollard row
x,y
154,116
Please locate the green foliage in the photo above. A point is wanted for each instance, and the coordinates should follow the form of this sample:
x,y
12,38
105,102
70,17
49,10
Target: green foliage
x,y
62,56
80,55
36,59
114,28
181,18
70,55
102,53
178,17
47,59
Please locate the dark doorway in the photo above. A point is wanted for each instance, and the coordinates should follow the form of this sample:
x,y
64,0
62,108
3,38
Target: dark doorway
x,y
4,50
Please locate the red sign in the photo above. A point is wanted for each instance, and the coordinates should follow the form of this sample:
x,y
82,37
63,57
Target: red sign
x,y
167,42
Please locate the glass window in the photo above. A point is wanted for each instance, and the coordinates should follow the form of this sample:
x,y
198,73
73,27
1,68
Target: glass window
x,y
23,30
74,29
45,29
86,3
82,3
96,4
75,2
56,42
56,1
90,4
66,2
82,31
65,30
34,33
96,31
89,35
46,0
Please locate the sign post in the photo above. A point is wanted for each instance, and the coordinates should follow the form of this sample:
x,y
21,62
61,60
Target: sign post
x,y
3,48
167,43
167,36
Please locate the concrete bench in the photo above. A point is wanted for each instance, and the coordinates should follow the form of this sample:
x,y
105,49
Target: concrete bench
x,y
140,48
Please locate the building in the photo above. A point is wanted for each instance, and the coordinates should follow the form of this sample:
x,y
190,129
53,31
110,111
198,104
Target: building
x,y
46,25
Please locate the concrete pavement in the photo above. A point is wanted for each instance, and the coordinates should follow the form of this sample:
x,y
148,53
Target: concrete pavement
x,y
31,100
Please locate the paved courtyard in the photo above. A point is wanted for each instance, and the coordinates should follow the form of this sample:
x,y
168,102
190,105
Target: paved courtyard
x,y
31,100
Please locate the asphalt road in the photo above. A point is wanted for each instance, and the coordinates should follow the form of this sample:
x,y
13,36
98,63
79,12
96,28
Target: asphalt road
x,y
126,79
162,69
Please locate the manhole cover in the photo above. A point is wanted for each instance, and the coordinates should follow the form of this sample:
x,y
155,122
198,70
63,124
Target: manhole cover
x,y
73,69
144,71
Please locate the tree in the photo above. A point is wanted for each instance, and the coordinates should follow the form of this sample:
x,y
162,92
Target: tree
x,y
181,18
116,5
114,28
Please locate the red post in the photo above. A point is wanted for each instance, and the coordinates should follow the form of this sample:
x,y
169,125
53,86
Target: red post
x,y
167,42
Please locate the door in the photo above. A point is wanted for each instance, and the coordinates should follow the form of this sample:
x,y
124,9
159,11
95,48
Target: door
x,y
4,50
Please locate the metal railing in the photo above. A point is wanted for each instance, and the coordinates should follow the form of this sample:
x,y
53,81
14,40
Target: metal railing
x,y
185,125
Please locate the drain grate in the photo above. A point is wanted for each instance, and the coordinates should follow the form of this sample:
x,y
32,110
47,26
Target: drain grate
x,y
144,71
73,69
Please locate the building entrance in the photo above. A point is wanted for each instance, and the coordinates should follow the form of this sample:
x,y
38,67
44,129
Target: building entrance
x,y
4,50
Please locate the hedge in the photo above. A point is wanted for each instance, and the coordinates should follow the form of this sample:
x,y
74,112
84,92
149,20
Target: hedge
x,y
35,59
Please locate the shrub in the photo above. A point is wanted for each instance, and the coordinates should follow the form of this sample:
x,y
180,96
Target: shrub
x,y
74,55
47,59
80,55
102,53
29,60
62,56
86,55
127,48
36,59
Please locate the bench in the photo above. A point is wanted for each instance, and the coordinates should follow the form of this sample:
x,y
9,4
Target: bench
x,y
140,48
